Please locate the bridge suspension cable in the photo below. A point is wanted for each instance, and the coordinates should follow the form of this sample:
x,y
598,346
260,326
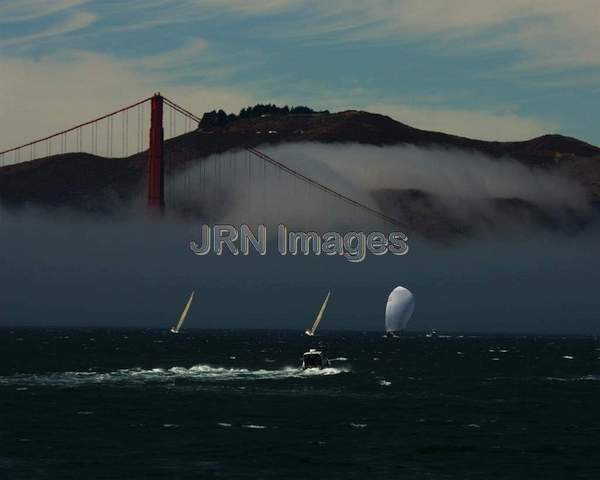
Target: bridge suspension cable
x,y
103,140
181,110
101,136
79,137
319,185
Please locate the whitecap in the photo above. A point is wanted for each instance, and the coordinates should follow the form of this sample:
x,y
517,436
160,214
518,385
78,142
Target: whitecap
x,y
339,359
223,424
568,357
358,425
256,427
310,372
196,373
170,425
384,383
574,379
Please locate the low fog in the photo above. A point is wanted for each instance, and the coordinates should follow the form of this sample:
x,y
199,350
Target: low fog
x,y
430,191
61,267
354,168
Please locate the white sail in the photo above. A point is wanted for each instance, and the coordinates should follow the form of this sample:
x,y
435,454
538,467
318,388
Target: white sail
x,y
400,307
313,329
178,325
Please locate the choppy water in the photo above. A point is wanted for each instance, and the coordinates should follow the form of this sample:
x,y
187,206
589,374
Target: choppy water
x,y
128,404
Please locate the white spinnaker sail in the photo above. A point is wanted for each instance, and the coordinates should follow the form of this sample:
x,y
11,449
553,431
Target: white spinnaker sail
x,y
313,329
178,325
400,307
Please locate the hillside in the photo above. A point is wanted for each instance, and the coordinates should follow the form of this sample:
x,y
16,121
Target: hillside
x,y
97,184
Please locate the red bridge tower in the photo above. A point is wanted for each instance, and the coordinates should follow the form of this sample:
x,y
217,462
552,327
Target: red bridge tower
x,y
156,166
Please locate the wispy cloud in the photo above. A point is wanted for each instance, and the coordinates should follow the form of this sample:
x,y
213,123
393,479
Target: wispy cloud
x,y
26,10
552,45
197,60
80,86
558,34
548,35
192,50
484,125
76,21
429,112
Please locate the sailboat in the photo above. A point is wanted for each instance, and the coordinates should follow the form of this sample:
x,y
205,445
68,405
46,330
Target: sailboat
x,y
312,330
177,326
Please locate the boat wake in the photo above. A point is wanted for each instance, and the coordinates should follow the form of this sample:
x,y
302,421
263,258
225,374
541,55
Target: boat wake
x,y
197,373
585,378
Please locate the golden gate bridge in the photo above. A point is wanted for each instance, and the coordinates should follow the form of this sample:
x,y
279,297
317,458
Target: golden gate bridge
x,y
142,128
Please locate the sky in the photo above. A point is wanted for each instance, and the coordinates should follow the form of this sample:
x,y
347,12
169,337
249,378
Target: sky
x,y
507,70
496,70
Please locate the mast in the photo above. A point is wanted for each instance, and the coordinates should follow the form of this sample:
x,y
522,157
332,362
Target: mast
x,y
313,329
183,316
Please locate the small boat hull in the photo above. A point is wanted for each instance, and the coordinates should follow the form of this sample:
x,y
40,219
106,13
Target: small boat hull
x,y
314,359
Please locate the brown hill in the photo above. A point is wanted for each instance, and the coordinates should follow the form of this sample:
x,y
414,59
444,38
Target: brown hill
x,y
92,183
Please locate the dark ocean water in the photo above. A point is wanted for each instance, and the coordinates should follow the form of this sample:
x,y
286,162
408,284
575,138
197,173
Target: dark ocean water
x,y
143,404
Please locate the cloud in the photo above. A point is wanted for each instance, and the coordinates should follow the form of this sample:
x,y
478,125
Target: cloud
x,y
77,21
80,86
55,268
26,10
198,68
545,35
248,7
555,34
426,112
193,50
45,96
468,123
237,188
443,172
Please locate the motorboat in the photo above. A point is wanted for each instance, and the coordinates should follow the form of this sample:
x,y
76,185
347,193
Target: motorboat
x,y
314,359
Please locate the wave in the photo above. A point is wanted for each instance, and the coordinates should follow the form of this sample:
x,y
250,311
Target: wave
x,y
585,378
200,373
